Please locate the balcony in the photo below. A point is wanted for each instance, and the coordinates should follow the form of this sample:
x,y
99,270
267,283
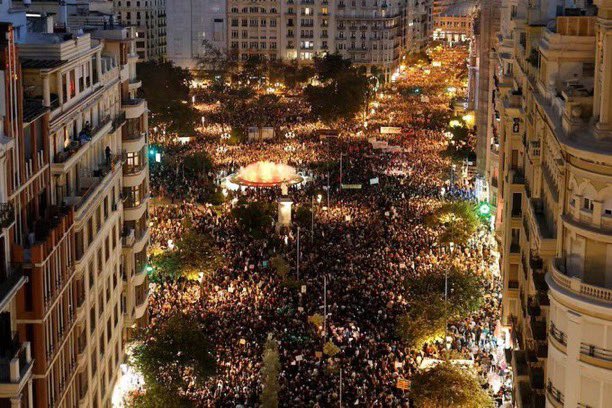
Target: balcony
x,y
118,121
516,177
134,108
7,215
10,283
555,396
538,329
561,276
128,238
141,301
134,84
536,377
15,367
48,234
559,336
596,356
65,159
91,186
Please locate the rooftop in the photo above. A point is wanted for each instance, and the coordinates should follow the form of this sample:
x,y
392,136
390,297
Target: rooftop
x,y
462,8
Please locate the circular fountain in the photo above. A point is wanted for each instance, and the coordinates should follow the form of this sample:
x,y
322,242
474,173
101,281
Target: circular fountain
x,y
266,174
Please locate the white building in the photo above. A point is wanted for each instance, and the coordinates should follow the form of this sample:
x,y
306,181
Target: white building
x,y
194,27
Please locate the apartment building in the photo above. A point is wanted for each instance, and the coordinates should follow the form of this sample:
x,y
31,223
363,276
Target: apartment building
x,y
149,18
549,166
307,29
73,214
456,22
254,29
373,33
16,181
370,34
418,24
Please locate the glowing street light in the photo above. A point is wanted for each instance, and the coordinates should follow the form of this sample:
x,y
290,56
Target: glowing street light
x,y
484,209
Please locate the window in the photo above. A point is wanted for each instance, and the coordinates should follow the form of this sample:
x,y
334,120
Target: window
x,y
587,204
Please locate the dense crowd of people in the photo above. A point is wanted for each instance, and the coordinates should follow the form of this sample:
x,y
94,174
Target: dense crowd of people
x,y
365,244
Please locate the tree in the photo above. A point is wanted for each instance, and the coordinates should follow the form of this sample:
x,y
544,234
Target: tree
x,y
423,323
215,65
269,373
254,217
445,385
195,253
280,265
173,352
331,67
464,290
426,319
303,216
457,222
342,92
166,89
198,163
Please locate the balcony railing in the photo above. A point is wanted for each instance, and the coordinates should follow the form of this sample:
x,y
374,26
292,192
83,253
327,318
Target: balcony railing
x,y
7,215
557,334
595,352
83,139
575,284
15,361
92,183
118,121
10,280
554,393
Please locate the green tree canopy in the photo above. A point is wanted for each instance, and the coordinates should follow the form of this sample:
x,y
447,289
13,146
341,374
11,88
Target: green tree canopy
x,y
195,253
457,222
255,218
446,385
464,290
343,91
173,351
423,323
198,163
166,89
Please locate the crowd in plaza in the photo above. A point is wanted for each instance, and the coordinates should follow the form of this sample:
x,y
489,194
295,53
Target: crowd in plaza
x,y
365,244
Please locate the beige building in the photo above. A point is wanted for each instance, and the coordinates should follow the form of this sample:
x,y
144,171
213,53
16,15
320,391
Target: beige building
x,y
307,30
370,34
549,167
149,18
254,29
74,216
373,34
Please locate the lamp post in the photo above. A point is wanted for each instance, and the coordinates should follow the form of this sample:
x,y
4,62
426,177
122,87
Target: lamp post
x,y
451,246
298,253
324,308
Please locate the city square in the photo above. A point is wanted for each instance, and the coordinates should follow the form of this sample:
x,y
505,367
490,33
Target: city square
x,y
313,203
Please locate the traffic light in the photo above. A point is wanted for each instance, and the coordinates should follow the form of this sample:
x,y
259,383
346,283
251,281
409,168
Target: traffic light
x,y
484,209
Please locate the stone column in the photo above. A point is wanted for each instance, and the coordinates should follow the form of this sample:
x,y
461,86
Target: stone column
x,y
46,91
16,402
284,212
60,95
603,68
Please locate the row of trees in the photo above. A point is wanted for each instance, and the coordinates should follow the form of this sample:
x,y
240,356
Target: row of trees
x,y
444,385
